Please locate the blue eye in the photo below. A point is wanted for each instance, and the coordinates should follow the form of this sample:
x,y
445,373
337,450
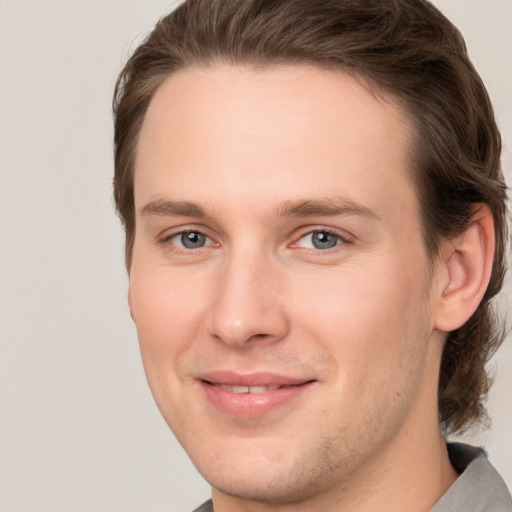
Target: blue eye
x,y
190,240
320,240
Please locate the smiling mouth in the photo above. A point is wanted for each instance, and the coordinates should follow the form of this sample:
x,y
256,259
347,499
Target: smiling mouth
x,y
256,390
252,396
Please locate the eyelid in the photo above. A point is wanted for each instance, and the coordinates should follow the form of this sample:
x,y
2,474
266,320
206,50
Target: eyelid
x,y
343,236
166,237
208,241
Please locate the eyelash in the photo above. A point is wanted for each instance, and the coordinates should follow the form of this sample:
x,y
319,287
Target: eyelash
x,y
167,240
341,241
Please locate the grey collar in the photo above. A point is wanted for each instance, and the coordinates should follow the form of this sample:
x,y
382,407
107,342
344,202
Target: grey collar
x,y
479,487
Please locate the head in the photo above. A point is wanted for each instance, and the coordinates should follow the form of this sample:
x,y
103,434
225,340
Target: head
x,y
403,53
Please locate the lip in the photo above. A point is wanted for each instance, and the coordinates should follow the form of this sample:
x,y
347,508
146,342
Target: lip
x,y
282,390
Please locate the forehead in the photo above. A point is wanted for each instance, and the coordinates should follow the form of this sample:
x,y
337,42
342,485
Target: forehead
x,y
302,128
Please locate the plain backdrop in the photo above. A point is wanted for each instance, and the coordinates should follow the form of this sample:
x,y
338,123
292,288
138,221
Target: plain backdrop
x,y
78,427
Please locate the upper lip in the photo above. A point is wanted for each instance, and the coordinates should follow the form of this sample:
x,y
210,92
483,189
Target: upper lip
x,y
231,378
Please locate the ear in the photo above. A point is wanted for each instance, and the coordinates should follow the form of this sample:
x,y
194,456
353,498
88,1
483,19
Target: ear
x,y
464,270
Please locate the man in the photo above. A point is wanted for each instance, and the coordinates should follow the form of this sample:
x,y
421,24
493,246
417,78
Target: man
x,y
315,227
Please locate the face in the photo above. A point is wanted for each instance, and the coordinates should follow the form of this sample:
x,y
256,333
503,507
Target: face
x,y
279,282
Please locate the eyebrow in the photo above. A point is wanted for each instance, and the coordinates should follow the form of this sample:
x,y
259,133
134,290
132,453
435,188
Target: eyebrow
x,y
163,208
329,207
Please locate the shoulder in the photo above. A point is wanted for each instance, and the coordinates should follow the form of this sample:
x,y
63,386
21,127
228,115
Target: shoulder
x,y
205,507
479,487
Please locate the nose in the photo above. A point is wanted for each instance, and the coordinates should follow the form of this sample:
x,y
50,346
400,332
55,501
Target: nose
x,y
248,304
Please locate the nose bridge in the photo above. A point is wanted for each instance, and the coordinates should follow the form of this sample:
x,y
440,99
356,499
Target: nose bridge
x,y
247,304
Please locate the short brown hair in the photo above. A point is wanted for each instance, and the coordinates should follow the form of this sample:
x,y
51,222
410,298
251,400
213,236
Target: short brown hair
x,y
404,47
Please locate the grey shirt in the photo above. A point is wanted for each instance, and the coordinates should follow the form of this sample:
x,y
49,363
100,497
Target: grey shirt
x,y
479,487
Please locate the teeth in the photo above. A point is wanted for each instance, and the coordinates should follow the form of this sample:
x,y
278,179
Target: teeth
x,y
239,389
258,389
245,389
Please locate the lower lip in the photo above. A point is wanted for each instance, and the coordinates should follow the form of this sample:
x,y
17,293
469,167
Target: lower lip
x,y
252,405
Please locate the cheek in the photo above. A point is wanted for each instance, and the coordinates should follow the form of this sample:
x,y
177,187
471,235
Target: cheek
x,y
366,320
164,303
167,316
167,310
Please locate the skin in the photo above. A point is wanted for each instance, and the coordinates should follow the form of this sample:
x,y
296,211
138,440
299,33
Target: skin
x,y
358,320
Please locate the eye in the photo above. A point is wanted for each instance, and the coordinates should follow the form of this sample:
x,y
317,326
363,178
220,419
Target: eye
x,y
190,240
320,240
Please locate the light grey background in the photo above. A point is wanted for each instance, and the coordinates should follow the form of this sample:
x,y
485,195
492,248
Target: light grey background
x,y
78,427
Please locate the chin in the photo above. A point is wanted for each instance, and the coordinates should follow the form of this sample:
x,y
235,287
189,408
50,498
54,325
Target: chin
x,y
283,490
272,479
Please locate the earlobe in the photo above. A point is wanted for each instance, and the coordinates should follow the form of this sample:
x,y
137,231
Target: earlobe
x,y
466,265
